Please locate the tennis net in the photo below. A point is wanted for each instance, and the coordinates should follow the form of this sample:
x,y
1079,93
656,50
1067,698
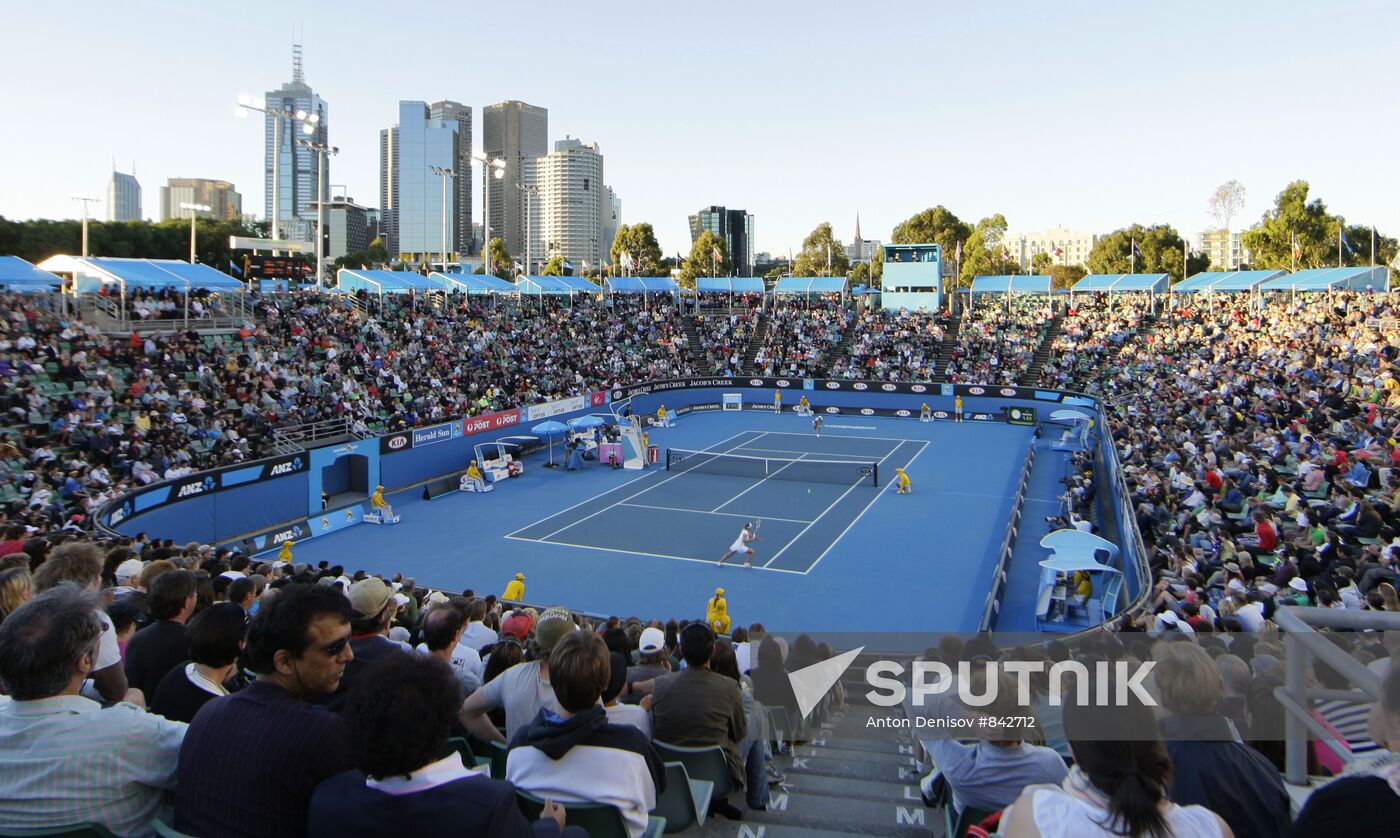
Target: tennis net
x,y
849,472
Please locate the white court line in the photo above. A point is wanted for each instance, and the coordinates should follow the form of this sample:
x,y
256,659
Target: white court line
x,y
861,514
651,555
615,488
829,507
707,512
855,458
629,497
846,436
756,484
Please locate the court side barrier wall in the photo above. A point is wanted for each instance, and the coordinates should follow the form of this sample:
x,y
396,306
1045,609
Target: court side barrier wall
x,y
238,502
992,609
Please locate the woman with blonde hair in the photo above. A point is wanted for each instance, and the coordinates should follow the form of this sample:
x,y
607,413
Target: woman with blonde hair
x,y
16,588
1389,597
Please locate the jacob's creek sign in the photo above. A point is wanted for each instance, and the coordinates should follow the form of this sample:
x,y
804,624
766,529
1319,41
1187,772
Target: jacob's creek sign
x,y
419,437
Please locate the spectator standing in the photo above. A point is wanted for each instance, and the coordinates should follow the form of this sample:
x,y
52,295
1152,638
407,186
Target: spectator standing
x,y
574,753
251,760
159,647
64,759
398,718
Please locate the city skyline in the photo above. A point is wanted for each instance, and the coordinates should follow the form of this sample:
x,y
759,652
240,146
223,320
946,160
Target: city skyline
x,y
1081,116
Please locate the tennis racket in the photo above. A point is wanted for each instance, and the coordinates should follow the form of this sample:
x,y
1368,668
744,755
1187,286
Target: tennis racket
x,y
757,522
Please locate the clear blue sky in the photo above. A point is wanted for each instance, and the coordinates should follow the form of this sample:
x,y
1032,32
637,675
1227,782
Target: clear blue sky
x,y
1090,115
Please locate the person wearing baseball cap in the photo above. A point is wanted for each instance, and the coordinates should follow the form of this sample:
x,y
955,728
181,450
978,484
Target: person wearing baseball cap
x,y
515,591
652,662
372,610
524,688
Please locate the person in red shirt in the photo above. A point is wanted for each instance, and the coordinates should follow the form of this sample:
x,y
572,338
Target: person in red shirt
x,y
1265,537
1214,480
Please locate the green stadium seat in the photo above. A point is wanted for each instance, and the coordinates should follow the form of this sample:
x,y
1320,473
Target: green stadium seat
x,y
701,764
165,830
685,801
599,820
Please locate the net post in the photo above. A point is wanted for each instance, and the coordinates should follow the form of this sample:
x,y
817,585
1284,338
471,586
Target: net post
x,y
668,459
875,474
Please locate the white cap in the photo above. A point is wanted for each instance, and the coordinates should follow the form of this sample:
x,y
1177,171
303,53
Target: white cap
x,y
1168,617
1297,584
129,569
652,641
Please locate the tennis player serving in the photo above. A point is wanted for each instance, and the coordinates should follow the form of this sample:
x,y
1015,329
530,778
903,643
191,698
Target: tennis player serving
x,y
741,545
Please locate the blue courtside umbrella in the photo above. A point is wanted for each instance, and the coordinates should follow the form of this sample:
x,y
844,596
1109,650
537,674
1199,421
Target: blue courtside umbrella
x,y
550,431
584,423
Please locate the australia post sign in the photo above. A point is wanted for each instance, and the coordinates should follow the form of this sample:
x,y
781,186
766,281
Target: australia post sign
x,y
419,437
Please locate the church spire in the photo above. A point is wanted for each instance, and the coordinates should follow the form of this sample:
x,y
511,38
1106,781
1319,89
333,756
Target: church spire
x,y
858,238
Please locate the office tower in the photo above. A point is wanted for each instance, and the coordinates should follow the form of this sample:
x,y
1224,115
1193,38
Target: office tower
x,y
572,204
223,200
123,197
735,227
412,157
296,189
514,132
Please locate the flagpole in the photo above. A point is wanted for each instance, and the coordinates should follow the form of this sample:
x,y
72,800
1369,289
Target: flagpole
x,y
1373,245
1339,245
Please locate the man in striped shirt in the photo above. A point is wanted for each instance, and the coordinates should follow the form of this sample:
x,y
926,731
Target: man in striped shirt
x,y
64,759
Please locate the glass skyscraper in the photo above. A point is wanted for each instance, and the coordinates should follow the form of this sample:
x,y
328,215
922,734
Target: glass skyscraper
x,y
296,189
411,194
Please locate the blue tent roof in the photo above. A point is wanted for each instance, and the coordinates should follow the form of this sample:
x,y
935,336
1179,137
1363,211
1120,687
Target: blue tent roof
x,y
537,285
1323,279
641,285
199,276
475,283
730,284
94,272
1119,283
1225,281
810,285
386,282
18,275
1019,283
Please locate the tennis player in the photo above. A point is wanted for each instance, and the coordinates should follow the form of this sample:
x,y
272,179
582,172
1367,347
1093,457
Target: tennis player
x,y
741,545
817,424
925,413
902,484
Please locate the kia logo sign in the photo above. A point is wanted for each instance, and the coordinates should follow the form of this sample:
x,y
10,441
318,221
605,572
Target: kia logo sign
x,y
617,395
397,442
782,382
919,388
976,391
940,414
888,388
833,385
833,410
860,385
865,411
1008,391
903,413
755,382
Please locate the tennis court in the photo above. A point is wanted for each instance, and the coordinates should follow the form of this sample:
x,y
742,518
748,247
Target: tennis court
x,y
805,491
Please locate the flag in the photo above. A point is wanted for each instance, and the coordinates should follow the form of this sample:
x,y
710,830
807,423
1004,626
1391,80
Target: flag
x,y
1342,238
958,254
1137,251
519,268
1059,251
568,266
715,251
234,269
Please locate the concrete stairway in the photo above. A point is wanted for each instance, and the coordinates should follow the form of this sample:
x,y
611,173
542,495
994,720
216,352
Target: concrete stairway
x,y
760,334
945,351
1042,350
847,780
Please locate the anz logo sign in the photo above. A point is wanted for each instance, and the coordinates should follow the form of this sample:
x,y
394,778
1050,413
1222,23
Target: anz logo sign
x,y
120,515
191,489
284,535
289,467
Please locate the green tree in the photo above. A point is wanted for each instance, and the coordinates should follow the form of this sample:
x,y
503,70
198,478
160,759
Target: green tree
x,y
703,261
984,254
502,263
371,257
877,266
38,239
1041,263
554,267
819,249
937,224
638,241
1064,276
860,274
1295,218
1160,251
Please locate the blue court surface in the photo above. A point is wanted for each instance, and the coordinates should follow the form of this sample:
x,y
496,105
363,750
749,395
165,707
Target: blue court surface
x,y
835,552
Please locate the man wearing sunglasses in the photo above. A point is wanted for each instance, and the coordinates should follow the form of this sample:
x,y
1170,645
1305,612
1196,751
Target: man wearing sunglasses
x,y
267,743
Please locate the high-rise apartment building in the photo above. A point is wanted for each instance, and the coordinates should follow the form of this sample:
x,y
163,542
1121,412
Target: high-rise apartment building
x,y
413,207
223,200
350,227
570,206
1225,249
612,220
514,132
123,198
732,225
1064,246
296,164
